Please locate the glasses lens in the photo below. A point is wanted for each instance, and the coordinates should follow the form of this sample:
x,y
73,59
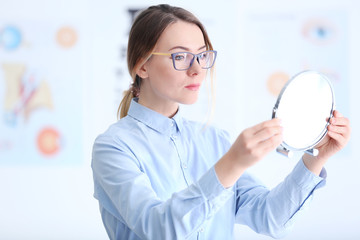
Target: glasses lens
x,y
206,59
182,60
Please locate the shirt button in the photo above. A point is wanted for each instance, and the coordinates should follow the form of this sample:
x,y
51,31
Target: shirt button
x,y
173,137
201,230
184,165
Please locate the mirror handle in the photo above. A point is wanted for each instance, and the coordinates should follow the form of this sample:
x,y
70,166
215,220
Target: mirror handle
x,y
313,152
284,151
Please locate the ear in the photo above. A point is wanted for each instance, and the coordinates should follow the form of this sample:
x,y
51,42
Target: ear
x,y
142,70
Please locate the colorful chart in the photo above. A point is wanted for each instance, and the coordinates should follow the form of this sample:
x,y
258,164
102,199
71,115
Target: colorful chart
x,y
40,87
24,93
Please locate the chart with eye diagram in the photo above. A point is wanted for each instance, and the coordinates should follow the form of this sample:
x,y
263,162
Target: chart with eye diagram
x,y
287,43
40,94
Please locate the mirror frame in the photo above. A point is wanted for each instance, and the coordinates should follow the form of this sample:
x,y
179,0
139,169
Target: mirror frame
x,y
286,149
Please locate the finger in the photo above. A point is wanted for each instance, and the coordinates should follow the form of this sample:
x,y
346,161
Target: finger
x,y
344,131
252,140
338,129
336,113
337,137
269,123
340,121
264,147
267,133
271,143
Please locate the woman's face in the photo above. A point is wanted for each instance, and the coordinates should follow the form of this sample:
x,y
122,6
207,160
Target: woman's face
x,y
163,87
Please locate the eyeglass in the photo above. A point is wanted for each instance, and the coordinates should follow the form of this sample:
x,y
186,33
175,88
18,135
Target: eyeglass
x,y
183,60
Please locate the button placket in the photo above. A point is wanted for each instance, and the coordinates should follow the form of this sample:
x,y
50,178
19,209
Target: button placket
x,y
175,138
173,135
184,164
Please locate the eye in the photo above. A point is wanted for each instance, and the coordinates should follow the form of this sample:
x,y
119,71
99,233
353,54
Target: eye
x,y
320,31
203,55
180,57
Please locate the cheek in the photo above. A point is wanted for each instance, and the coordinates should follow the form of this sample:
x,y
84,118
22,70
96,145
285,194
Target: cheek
x,y
164,72
160,68
203,74
165,79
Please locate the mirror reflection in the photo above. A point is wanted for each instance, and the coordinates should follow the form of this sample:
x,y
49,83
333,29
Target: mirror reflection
x,y
305,106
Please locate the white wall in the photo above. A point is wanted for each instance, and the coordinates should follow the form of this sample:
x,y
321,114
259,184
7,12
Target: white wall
x,y
50,197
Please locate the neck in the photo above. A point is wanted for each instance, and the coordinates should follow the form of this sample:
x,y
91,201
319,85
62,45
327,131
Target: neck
x,y
168,109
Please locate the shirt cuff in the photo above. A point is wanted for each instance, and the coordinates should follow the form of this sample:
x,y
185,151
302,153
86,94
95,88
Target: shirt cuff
x,y
306,179
307,182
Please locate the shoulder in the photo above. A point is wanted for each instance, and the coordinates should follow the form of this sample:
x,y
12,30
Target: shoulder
x,y
118,133
115,145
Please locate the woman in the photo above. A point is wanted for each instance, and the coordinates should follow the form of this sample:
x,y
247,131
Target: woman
x,y
160,176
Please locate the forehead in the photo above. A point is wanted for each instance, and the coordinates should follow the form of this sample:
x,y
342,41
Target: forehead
x,y
182,34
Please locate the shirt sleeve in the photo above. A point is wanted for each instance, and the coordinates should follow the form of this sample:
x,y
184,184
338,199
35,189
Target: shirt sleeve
x,y
125,191
272,212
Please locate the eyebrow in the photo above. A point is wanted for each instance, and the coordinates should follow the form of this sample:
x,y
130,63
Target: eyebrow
x,y
185,48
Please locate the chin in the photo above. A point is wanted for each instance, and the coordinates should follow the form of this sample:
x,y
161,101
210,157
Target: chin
x,y
189,101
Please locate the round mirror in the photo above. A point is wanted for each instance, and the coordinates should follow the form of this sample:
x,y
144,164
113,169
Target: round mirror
x,y
305,106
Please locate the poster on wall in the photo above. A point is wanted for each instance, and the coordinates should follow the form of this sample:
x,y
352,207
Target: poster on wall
x,y
40,93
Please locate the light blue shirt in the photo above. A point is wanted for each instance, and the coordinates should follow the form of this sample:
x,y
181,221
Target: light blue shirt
x,y
154,178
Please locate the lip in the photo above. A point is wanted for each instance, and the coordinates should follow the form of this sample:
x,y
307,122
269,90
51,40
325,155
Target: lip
x,y
193,87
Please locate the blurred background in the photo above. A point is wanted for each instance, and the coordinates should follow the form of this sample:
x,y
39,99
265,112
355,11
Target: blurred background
x,y
62,74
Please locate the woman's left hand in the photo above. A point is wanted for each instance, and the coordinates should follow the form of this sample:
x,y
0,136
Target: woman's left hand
x,y
337,137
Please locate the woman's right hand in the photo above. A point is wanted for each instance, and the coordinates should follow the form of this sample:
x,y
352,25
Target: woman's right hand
x,y
249,148
257,141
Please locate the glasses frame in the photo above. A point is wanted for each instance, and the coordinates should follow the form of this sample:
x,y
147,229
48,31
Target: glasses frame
x,y
173,55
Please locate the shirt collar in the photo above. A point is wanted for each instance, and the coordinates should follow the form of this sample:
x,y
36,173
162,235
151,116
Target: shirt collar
x,y
154,119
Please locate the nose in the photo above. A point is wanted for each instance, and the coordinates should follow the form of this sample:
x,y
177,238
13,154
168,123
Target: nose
x,y
195,67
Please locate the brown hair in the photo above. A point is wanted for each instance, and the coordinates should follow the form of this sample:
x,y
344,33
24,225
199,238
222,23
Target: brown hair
x,y
144,34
